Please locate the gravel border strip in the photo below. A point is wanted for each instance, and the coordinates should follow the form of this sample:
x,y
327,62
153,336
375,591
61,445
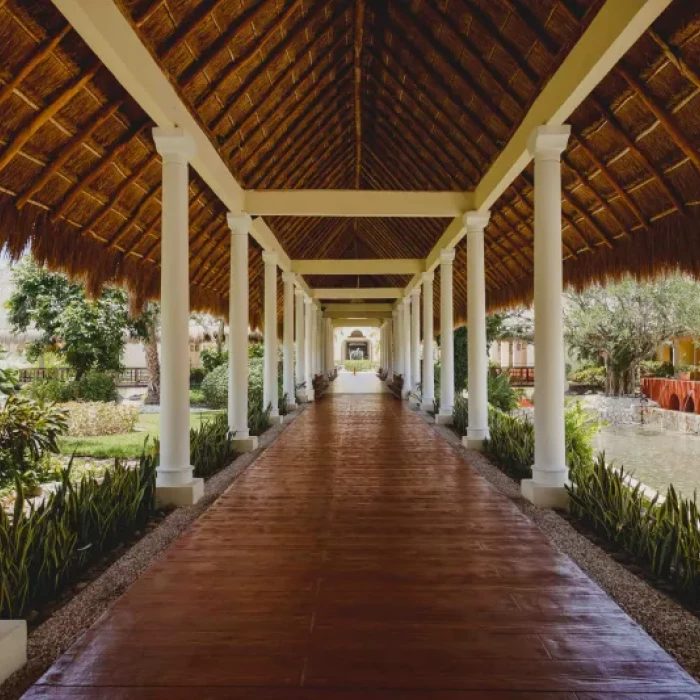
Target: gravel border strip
x,y
665,621
48,641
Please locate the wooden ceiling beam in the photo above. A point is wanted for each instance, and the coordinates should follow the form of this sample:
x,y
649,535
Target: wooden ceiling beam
x,y
434,78
357,85
387,165
299,148
188,25
502,42
320,88
21,137
67,151
220,44
138,172
266,99
104,163
253,50
320,154
310,106
674,56
522,11
41,53
411,88
669,124
120,233
148,12
328,177
527,264
630,143
578,141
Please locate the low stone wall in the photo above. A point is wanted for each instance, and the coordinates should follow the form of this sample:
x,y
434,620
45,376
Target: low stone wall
x,y
673,420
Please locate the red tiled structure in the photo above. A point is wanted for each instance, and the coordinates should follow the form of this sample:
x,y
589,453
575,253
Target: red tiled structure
x,y
673,394
361,557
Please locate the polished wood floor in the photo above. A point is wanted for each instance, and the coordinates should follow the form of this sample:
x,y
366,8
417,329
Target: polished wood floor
x,y
360,557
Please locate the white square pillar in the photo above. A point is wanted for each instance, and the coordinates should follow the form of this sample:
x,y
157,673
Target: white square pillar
x,y
175,484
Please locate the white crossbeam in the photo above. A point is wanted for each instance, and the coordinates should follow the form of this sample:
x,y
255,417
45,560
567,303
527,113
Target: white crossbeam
x,y
381,266
358,293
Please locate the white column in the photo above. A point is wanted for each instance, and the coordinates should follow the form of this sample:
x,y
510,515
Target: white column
x,y
477,359
447,366
175,484
415,337
382,343
238,334
330,364
549,473
396,344
406,343
308,345
428,332
288,279
299,333
389,349
270,366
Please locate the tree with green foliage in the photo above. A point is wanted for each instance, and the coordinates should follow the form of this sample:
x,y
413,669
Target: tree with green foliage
x,y
86,333
624,323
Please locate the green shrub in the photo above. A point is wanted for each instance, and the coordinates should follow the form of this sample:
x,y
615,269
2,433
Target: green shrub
x,y
215,387
511,445
654,368
197,375
589,375
211,447
44,390
197,397
460,415
92,386
501,394
28,430
91,418
44,548
213,358
358,365
663,536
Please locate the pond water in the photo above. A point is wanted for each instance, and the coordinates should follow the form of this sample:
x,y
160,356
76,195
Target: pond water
x,y
655,456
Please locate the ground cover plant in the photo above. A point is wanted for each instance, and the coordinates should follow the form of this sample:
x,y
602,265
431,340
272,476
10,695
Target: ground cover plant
x,y
358,365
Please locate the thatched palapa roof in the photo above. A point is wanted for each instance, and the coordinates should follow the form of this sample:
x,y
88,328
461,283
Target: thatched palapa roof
x,y
311,94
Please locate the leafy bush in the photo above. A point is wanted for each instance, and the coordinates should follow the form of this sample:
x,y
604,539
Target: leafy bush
x,y
589,375
654,368
211,447
664,536
44,390
460,415
44,548
28,430
92,386
511,445
213,358
358,365
197,397
89,418
501,394
197,375
215,387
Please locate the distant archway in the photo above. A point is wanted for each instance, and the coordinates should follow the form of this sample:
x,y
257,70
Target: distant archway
x,y
674,403
689,406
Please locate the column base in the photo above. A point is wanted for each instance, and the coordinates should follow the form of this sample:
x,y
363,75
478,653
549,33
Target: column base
x,y
291,406
427,405
180,496
443,419
405,393
13,647
544,496
474,439
305,396
276,420
245,444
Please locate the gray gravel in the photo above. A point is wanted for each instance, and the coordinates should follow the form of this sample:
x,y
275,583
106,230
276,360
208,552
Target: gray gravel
x,y
664,620
48,641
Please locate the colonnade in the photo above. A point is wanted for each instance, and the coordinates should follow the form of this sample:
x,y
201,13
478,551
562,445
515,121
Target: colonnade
x,y
401,347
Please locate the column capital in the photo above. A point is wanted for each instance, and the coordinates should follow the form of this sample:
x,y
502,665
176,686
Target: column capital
x,y
307,299
427,277
289,277
415,292
174,145
299,292
270,257
447,256
548,142
476,221
239,223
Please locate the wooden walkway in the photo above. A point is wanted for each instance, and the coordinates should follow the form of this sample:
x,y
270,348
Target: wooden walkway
x,y
361,558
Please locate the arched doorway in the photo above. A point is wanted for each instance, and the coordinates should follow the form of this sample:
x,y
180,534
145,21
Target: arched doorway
x,y
689,406
674,403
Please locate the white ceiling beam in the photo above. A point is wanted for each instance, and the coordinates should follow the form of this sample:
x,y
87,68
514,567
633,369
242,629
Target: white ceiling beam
x,y
358,293
352,203
355,322
350,310
108,33
616,27
358,318
381,266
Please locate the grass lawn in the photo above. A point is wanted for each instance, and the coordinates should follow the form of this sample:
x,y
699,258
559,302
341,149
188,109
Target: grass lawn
x,y
125,445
